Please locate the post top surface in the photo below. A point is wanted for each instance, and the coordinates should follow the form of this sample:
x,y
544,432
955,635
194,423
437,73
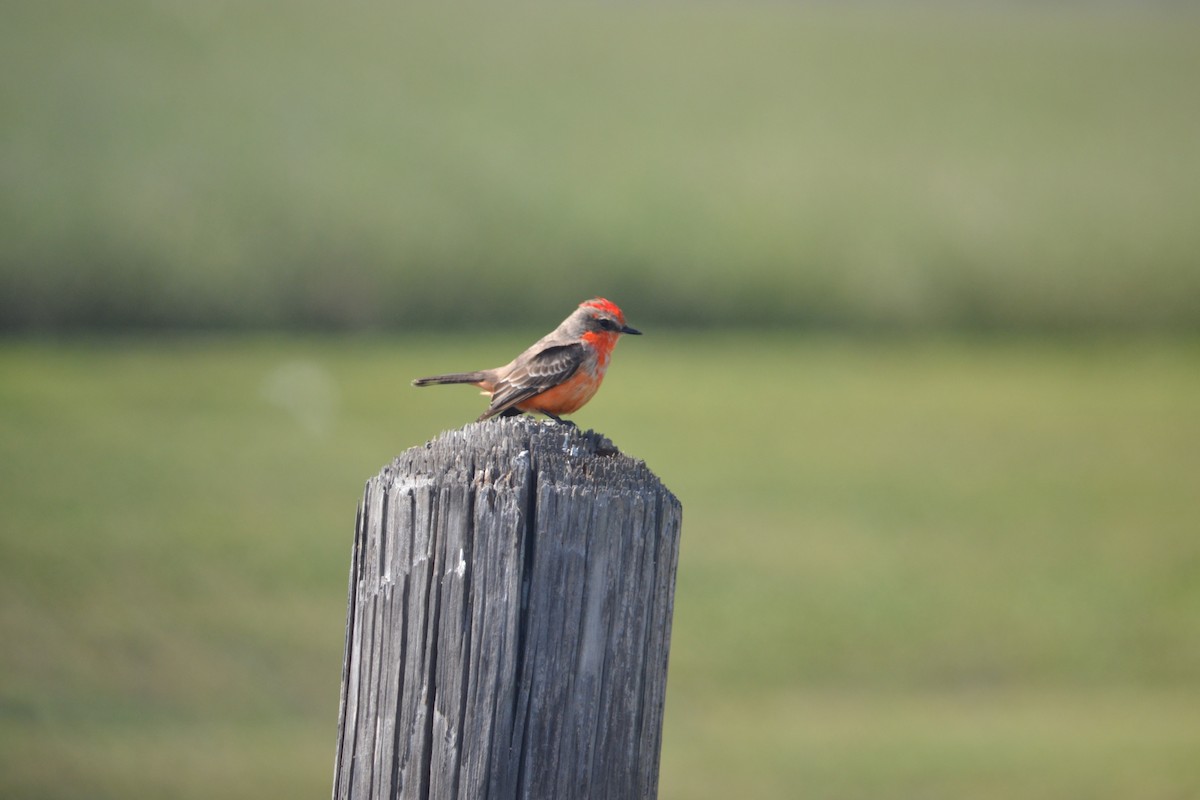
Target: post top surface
x,y
554,451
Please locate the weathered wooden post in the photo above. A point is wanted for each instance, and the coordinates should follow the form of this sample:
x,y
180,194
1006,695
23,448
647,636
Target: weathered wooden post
x,y
509,619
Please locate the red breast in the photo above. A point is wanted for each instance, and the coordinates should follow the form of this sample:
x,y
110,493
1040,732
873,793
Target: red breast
x,y
569,396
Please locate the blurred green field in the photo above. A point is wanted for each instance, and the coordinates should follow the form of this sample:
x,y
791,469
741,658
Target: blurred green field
x,y
936,567
926,569
166,163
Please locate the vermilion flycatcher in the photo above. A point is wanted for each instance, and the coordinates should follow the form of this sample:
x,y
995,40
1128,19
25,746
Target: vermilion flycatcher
x,y
558,373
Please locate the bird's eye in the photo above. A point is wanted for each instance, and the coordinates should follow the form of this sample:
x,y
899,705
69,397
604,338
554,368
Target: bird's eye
x,y
607,324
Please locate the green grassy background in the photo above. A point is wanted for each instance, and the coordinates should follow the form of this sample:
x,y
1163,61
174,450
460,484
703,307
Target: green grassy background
x,y
933,568
921,292
913,166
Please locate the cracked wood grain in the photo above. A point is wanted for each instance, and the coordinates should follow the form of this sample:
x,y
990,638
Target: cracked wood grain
x,y
509,619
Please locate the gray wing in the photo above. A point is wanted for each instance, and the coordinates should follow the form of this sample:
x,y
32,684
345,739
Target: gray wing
x,y
544,371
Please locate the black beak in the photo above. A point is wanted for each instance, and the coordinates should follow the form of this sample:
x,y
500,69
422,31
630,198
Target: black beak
x,y
634,331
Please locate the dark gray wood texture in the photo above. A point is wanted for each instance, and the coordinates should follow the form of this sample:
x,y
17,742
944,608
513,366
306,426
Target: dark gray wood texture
x,y
511,590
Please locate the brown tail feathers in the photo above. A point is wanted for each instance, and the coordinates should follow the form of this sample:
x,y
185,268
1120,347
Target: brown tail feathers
x,y
453,377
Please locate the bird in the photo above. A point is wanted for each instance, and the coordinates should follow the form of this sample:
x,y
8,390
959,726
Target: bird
x,y
558,373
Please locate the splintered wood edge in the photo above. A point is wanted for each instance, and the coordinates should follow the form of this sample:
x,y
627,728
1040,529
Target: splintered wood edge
x,y
562,453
